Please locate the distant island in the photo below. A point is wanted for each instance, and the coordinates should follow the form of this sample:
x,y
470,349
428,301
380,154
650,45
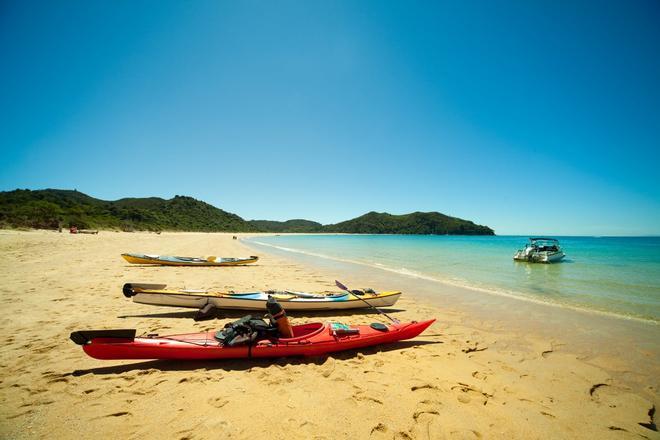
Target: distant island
x,y
416,223
54,208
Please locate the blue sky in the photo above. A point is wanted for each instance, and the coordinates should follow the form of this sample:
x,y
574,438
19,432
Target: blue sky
x,y
529,117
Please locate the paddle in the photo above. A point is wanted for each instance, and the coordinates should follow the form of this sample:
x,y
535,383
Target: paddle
x,y
342,287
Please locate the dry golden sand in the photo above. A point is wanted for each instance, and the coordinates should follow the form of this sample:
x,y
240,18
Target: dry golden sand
x,y
455,380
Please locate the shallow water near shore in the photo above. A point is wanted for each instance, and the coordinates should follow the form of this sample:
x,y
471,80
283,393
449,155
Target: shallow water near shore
x,y
626,347
610,275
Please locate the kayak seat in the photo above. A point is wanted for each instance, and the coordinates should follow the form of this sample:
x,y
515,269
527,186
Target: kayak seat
x,y
303,331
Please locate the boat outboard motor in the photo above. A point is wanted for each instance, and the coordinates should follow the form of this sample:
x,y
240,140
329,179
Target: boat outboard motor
x,y
278,317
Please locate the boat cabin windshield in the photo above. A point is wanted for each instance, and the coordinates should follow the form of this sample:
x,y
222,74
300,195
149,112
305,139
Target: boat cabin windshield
x,y
544,244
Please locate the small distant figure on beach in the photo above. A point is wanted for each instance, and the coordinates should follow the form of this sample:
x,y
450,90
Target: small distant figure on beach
x,y
75,230
234,237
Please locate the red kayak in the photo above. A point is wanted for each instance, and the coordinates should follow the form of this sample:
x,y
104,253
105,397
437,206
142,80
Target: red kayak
x,y
308,340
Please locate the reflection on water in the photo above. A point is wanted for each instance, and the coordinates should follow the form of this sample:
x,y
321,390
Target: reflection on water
x,y
541,278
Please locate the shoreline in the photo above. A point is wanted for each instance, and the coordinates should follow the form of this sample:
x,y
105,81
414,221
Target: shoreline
x,y
580,330
475,373
449,283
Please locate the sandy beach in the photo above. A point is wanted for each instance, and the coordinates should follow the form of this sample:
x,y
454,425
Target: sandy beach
x,y
466,377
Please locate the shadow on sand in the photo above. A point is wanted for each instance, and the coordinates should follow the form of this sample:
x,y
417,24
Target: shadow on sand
x,y
236,314
245,364
192,265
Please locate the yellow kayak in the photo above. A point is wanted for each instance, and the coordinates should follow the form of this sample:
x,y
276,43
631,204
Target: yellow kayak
x,y
165,260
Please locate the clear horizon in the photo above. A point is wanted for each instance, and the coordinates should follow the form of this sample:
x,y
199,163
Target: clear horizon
x,y
531,118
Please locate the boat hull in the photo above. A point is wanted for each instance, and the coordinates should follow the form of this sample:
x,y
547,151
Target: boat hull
x,y
204,346
540,257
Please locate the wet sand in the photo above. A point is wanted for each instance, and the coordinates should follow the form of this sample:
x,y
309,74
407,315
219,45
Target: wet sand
x,y
470,375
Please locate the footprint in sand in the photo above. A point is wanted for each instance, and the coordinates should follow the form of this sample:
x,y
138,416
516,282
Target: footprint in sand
x,y
479,375
37,402
465,434
339,377
117,414
594,391
423,410
359,395
380,428
468,392
33,391
24,413
143,392
328,367
363,398
423,387
553,347
44,349
218,402
474,349
428,424
409,354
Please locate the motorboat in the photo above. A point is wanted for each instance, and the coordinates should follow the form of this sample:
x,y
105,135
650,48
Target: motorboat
x,y
540,250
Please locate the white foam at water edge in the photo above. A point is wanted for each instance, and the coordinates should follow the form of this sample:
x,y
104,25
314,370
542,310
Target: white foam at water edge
x,y
463,284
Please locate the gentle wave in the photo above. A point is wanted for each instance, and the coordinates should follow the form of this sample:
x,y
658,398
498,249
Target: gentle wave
x,y
521,296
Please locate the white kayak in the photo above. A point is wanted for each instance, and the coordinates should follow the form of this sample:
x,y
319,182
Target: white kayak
x,y
158,295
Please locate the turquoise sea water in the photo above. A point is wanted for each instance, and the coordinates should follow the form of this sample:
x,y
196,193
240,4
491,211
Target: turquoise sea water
x,y
614,275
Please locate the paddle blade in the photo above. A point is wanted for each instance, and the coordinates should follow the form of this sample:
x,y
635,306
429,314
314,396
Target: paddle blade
x,y
341,286
211,259
85,336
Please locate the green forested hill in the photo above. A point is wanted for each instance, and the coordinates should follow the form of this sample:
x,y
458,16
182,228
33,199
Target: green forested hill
x,y
296,225
415,223
51,208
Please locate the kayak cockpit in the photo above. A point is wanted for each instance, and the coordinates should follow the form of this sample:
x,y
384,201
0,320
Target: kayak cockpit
x,y
304,331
